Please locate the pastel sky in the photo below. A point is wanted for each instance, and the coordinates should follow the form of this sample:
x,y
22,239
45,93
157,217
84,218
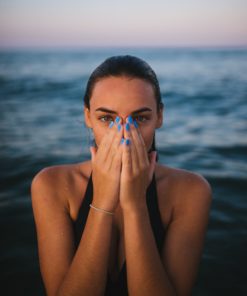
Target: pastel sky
x,y
74,23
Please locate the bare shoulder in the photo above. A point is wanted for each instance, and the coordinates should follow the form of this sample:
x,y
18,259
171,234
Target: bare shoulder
x,y
178,189
61,184
53,175
181,180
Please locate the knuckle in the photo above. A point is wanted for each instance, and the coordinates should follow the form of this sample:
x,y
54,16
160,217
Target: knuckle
x,y
127,161
114,149
117,165
143,166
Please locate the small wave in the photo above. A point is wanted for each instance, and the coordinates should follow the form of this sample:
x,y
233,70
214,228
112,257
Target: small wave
x,y
239,150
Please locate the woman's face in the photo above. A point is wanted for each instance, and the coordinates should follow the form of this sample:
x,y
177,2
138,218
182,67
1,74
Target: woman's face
x,y
123,96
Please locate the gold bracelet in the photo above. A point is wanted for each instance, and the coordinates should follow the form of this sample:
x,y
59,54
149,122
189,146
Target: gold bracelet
x,y
101,210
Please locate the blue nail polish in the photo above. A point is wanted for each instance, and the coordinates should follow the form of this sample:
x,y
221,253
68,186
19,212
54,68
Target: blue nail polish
x,y
119,127
127,126
135,124
117,119
130,119
111,124
127,142
122,141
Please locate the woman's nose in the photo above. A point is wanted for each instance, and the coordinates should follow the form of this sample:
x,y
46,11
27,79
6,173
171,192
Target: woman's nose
x,y
126,119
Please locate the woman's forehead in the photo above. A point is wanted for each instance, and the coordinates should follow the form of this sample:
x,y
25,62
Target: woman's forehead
x,y
120,92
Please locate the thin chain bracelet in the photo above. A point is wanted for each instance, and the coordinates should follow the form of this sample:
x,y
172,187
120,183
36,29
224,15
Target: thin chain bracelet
x,y
101,210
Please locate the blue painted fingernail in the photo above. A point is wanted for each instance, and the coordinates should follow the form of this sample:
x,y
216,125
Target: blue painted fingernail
x,y
127,142
130,119
119,127
122,141
127,126
117,119
111,124
135,124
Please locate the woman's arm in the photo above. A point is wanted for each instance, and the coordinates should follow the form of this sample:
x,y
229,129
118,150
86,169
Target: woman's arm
x,y
64,271
175,272
145,272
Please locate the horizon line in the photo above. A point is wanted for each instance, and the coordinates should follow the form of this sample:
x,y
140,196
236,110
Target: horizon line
x,y
81,47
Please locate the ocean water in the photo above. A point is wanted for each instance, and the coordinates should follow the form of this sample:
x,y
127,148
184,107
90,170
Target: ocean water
x,y
41,124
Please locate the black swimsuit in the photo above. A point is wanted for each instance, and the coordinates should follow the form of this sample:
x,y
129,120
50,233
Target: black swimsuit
x,y
119,287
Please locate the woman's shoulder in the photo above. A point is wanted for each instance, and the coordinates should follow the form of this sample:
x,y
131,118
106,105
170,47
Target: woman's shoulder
x,y
179,177
65,183
178,186
53,175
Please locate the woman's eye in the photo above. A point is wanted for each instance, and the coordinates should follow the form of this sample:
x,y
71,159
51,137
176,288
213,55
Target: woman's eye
x,y
141,118
106,118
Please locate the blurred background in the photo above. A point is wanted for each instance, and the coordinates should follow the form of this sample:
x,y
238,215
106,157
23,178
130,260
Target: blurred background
x,y
198,50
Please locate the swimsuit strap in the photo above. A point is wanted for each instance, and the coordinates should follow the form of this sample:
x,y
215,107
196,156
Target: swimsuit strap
x,y
154,214
81,220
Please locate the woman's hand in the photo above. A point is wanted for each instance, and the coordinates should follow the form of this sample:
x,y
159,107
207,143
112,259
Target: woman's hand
x,y
137,168
106,168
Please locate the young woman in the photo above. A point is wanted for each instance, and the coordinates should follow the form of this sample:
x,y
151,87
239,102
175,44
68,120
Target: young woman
x,y
120,223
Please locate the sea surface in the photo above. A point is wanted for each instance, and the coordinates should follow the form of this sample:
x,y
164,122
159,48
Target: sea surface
x,y
205,124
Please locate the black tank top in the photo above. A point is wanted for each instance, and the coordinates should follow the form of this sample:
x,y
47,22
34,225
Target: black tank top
x,y
119,287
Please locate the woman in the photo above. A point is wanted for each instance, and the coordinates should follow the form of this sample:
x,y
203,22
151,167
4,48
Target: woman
x,y
120,223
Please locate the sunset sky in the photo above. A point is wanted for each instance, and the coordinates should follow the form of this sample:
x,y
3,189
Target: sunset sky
x,y
77,23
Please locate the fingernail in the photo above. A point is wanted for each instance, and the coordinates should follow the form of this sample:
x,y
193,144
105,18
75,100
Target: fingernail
x,y
130,119
127,126
111,124
117,119
119,127
122,141
127,142
135,124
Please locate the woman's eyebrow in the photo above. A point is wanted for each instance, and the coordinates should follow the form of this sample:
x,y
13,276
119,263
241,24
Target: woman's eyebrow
x,y
102,109
144,109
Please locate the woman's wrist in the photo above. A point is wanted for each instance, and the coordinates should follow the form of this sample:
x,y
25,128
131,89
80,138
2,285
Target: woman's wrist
x,y
101,210
102,203
135,208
